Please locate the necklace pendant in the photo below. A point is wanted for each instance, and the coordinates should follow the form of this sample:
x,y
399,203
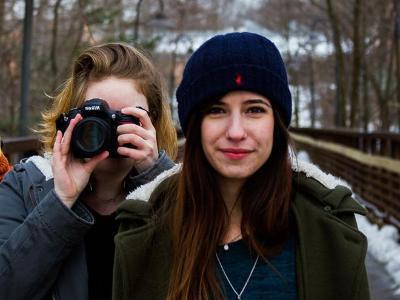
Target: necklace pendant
x,y
226,247
239,295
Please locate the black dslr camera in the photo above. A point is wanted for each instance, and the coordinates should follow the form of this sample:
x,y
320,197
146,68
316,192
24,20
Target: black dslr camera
x,y
97,131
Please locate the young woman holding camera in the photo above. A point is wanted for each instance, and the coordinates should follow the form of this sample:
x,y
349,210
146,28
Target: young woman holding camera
x,y
241,219
57,212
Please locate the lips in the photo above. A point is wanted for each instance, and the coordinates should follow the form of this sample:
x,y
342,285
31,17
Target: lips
x,y
235,153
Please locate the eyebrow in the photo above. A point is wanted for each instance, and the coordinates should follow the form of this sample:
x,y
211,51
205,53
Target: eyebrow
x,y
249,101
258,101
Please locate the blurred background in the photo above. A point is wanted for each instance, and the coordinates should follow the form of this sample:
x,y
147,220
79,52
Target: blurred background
x,y
343,57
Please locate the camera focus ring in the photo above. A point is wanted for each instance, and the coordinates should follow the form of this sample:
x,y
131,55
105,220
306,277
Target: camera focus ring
x,y
90,137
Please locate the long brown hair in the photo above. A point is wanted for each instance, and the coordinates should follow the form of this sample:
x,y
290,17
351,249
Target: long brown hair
x,y
198,216
122,61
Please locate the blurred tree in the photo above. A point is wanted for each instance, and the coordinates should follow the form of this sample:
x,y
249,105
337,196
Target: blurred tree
x,y
54,36
25,67
380,53
354,96
396,4
365,111
2,5
340,78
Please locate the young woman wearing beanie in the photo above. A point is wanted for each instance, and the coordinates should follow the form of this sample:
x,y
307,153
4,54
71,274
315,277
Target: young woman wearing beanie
x,y
57,211
241,218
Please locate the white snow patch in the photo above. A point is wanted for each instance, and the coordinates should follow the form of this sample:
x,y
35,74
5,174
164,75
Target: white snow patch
x,y
383,246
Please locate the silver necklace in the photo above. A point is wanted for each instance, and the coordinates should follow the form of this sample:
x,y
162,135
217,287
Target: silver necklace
x,y
239,295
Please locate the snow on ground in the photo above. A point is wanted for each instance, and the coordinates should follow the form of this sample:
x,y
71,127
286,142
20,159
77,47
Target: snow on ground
x,y
383,246
382,242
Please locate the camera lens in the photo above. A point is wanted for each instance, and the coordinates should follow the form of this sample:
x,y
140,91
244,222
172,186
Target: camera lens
x,y
90,137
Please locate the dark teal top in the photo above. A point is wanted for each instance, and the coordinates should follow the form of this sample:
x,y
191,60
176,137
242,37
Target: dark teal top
x,y
274,280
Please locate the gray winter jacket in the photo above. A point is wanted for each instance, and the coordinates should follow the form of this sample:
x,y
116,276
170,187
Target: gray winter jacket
x,y
42,253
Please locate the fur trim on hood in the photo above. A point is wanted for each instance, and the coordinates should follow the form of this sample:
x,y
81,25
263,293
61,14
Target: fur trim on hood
x,y
143,192
43,163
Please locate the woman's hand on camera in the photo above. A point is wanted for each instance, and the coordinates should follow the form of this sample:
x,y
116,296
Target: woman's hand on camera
x,y
142,138
71,174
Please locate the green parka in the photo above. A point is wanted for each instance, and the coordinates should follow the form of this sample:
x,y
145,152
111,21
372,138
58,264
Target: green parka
x,y
330,252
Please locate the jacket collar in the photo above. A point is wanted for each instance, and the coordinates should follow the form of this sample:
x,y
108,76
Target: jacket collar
x,y
43,163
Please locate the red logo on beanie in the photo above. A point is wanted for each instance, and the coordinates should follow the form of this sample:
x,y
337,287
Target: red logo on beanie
x,y
239,79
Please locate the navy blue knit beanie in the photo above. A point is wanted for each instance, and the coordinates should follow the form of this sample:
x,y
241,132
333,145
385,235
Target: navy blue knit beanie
x,y
229,62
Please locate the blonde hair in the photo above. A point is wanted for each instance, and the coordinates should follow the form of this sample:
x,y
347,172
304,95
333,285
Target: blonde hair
x,y
122,61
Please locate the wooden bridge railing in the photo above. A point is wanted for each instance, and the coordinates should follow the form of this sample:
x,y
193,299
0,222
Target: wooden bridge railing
x,y
384,144
375,179
16,148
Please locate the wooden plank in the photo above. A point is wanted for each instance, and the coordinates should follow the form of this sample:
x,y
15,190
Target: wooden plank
x,y
372,143
391,165
13,145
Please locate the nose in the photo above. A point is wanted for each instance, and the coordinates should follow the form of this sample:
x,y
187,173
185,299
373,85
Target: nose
x,y
236,130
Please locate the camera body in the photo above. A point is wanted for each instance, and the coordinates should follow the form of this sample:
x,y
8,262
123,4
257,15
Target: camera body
x,y
97,131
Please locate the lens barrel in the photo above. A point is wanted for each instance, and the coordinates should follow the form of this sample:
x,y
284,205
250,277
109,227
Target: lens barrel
x,y
90,137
